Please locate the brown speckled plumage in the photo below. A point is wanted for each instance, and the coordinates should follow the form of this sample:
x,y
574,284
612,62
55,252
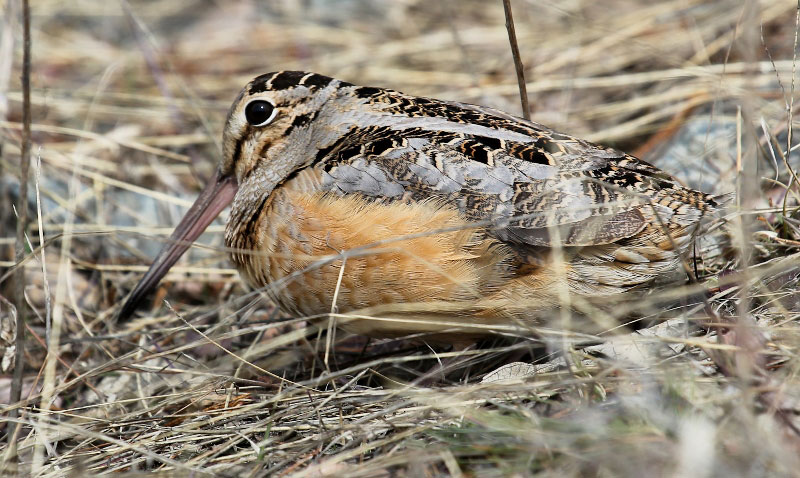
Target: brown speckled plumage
x,y
454,210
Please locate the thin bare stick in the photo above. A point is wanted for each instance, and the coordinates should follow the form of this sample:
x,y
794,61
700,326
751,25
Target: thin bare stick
x,y
790,108
512,39
22,224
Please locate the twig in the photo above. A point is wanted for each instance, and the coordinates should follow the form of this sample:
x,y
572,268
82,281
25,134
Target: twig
x,y
512,39
22,223
790,108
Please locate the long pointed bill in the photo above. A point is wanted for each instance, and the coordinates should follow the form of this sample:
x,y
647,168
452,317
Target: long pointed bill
x,y
214,198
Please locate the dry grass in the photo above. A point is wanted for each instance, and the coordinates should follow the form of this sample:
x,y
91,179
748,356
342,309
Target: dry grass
x,y
128,104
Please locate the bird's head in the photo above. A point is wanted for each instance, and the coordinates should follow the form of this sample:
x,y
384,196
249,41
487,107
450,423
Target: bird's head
x,y
278,121
268,136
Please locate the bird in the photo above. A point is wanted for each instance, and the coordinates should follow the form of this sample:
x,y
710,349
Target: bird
x,y
414,215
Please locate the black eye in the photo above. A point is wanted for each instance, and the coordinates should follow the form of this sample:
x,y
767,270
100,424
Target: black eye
x,y
259,112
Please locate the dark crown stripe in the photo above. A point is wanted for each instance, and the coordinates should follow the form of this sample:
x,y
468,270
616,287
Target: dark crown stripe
x,y
315,80
286,79
281,80
261,82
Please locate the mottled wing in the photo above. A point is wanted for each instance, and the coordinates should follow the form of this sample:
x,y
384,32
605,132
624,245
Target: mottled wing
x,y
534,186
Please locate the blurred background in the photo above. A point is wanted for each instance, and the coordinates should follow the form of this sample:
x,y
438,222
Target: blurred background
x,y
128,102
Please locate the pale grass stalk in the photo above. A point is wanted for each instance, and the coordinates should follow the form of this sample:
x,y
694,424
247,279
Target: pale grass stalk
x,y
49,388
49,392
37,177
329,337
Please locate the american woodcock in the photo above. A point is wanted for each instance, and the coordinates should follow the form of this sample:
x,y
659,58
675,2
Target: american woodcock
x,y
421,215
